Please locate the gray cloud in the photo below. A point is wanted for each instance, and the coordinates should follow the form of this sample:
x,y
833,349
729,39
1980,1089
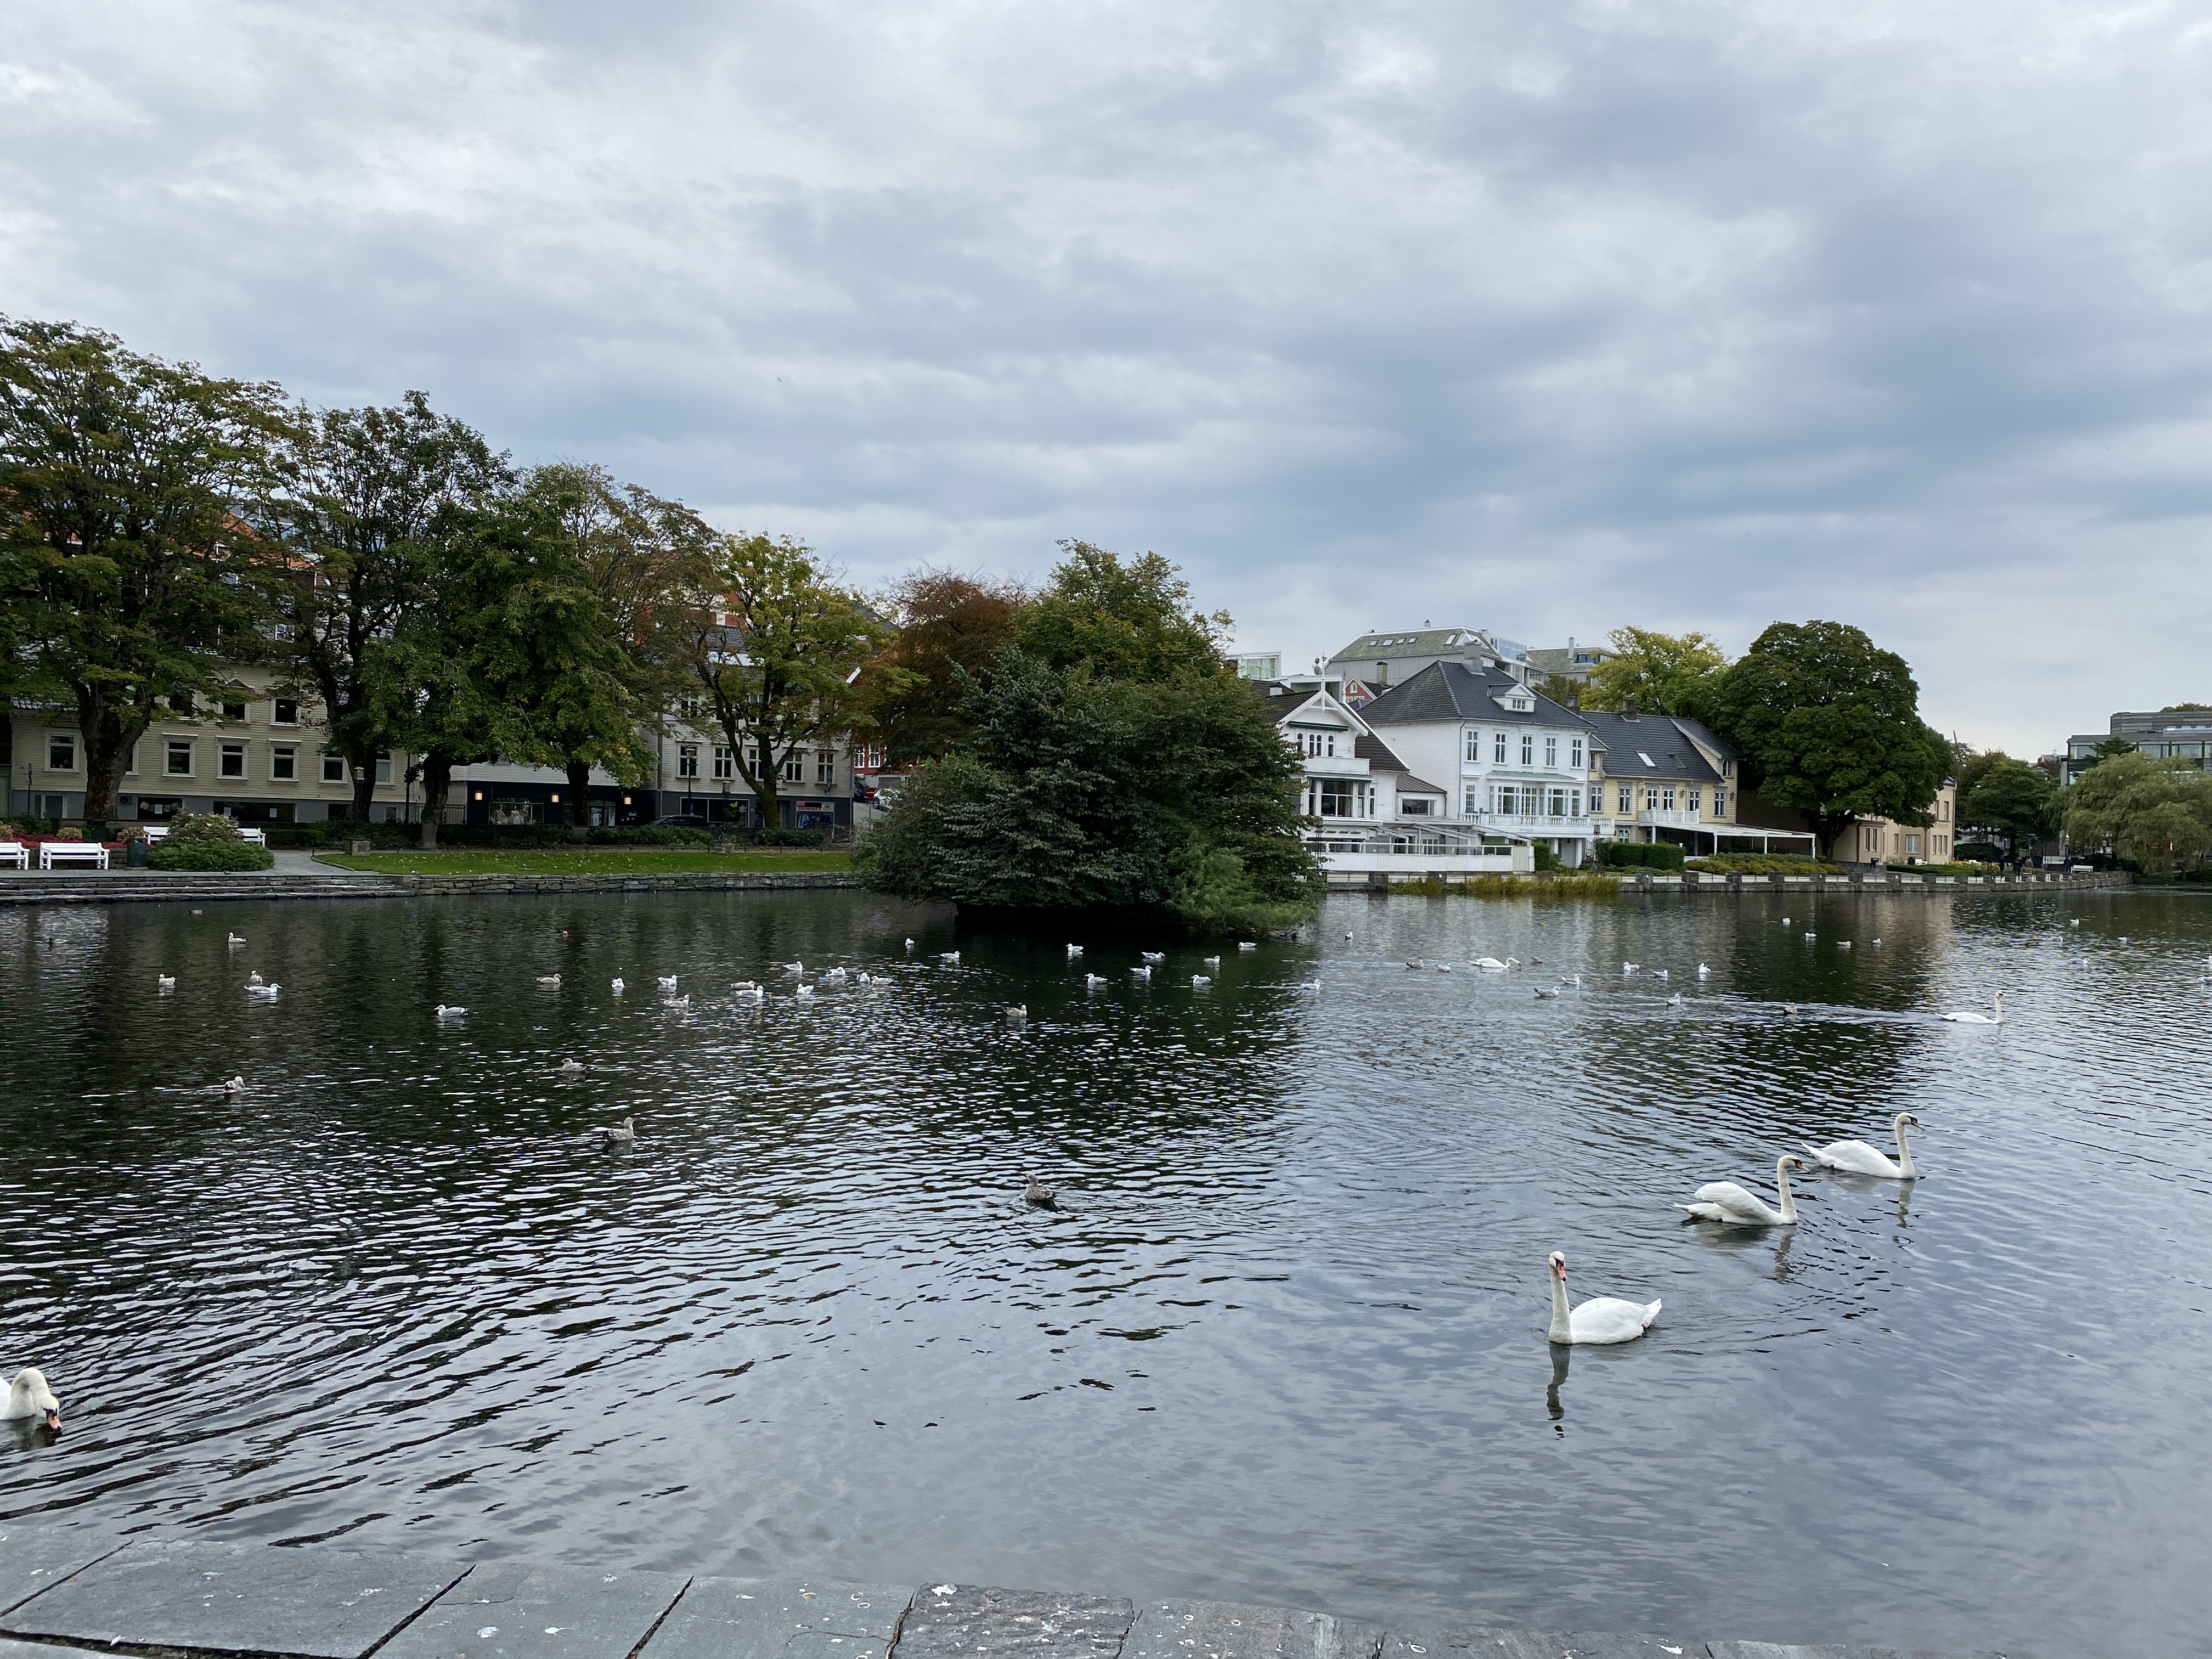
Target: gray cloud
x,y
1543,319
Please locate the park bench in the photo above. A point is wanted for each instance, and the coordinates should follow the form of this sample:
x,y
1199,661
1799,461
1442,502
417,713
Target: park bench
x,y
71,852
15,853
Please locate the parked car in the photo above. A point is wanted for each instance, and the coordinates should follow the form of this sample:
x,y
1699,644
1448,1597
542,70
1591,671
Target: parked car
x,y
683,821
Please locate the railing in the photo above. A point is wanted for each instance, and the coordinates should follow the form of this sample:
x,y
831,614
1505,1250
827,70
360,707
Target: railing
x,y
1673,819
1426,845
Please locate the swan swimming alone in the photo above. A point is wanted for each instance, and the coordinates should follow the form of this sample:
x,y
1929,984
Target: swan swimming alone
x,y
1603,1319
1969,1016
29,1396
1857,1157
1723,1200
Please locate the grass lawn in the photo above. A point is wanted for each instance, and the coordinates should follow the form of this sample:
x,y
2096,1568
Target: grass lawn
x,y
587,861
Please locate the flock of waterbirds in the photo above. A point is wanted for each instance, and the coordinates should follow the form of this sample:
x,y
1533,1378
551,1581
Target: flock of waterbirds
x,y
1600,1320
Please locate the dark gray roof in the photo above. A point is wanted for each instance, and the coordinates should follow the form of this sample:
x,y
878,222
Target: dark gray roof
x,y
1410,785
1453,691
1648,745
1377,753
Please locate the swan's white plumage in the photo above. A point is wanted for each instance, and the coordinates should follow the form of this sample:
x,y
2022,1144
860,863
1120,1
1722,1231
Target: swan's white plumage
x,y
1857,1157
1600,1320
1970,1017
1726,1201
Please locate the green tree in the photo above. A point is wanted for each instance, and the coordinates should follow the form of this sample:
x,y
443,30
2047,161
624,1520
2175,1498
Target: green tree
x,y
1655,673
2156,812
1124,622
371,482
2011,797
614,656
1564,690
1830,725
2110,749
135,570
949,629
773,648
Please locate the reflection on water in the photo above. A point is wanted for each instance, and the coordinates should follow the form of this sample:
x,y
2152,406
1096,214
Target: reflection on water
x,y
1282,1339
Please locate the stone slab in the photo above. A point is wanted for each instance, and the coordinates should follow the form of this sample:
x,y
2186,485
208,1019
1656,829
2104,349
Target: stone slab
x,y
35,1558
515,1610
321,1603
1826,1651
796,1618
973,1621
1230,1630
36,1651
1536,1645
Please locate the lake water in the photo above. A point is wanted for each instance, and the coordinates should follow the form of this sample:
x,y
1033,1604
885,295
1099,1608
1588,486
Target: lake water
x,y
1284,1343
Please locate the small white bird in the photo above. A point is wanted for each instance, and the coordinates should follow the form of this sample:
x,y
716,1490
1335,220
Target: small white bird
x,y
617,985
805,991
2077,922
235,940
1310,987
795,967
1212,961
447,1011
1575,979
952,957
1142,973
1443,967
1630,968
1703,971
254,978
2123,939
833,973
1153,956
667,982
622,1133
571,1067
1073,951
1199,982
1674,1001
1875,941
1542,992
1017,1014
1785,921
234,1087
910,944
683,1001
164,982
1843,944
1789,1007
263,993
1660,973
749,991
1094,981
1250,944
1812,936
549,979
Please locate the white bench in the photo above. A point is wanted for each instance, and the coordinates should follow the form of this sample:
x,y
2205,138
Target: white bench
x,y
15,853
72,852
257,837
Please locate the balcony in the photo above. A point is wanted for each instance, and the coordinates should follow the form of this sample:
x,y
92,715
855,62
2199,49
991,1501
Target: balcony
x,y
1676,820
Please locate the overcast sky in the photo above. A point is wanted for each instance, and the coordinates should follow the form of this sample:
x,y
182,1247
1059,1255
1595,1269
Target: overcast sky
x,y
1538,318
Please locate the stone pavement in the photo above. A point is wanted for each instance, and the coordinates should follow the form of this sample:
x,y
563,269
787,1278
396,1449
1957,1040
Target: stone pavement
x,y
64,1588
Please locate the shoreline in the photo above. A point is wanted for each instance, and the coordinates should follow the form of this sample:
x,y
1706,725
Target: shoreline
x,y
66,1589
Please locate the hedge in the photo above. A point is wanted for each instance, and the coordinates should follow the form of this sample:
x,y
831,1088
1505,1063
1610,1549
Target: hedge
x,y
210,855
1641,855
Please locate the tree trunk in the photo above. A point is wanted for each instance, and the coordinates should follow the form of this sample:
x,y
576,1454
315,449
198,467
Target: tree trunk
x,y
437,780
107,734
364,783
576,803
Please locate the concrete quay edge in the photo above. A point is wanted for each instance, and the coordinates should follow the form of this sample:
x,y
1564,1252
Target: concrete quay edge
x,y
92,887
71,1589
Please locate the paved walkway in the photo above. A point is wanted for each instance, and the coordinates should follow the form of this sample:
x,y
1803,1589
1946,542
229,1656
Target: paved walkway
x,y
70,1587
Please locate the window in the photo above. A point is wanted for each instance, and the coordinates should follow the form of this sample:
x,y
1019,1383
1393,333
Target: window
x,y
1551,754
1575,755
1497,750
1474,748
1556,803
1627,799
1650,797
60,751
284,763
1720,802
1528,748
725,763
285,711
1912,846
384,767
1509,799
1667,798
1415,806
233,711
1696,796
231,761
756,763
688,708
159,809
1338,798
825,767
687,760
333,768
129,762
795,766
512,814
1470,801
179,762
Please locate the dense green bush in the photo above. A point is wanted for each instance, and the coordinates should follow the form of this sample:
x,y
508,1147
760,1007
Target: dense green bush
x,y
1762,864
1640,854
174,855
1547,860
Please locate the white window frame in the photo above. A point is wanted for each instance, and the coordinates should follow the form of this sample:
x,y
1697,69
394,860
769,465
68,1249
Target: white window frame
x,y
825,768
277,706
726,762
224,755
75,749
1626,796
169,748
284,763
1575,755
687,760
384,767
1695,800
1497,750
1528,748
1551,754
330,761
1473,747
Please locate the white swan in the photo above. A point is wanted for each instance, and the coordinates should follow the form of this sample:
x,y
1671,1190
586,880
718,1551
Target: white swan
x,y
29,1396
1073,951
1601,1319
1489,965
1857,1157
447,1011
1017,1014
1968,1017
549,979
1153,956
667,982
1723,1200
571,1067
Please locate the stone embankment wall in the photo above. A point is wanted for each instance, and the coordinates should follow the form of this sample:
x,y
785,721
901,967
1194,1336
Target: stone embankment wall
x,y
66,1589
133,887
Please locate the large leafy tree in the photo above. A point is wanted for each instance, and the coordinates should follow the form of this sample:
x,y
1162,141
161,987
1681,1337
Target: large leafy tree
x,y
1131,621
371,484
949,629
2157,812
1116,760
773,649
2015,799
1655,673
1830,724
617,660
135,567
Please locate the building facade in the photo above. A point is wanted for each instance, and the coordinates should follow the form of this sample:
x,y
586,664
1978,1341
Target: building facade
x,y
2170,733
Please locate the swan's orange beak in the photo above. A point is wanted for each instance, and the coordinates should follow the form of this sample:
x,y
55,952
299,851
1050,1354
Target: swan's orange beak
x,y
53,1419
